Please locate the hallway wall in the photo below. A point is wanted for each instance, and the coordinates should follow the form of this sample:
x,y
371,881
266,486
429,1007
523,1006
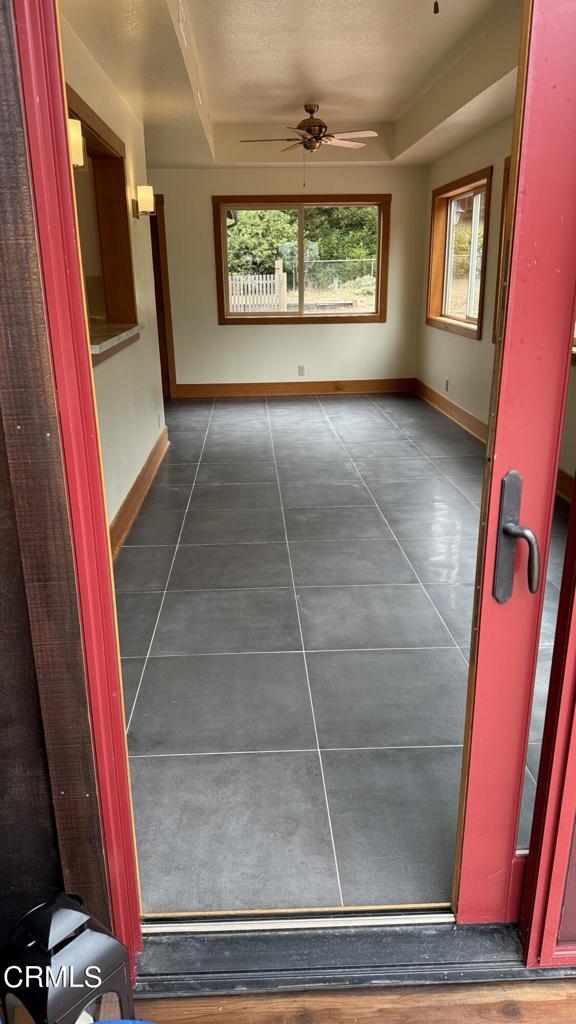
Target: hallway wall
x,y
128,385
466,362
206,352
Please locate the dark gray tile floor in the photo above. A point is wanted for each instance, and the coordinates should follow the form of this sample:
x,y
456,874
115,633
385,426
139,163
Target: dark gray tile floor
x,y
294,604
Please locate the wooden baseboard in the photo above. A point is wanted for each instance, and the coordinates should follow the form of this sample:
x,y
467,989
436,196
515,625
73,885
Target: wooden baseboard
x,y
454,412
565,485
386,385
297,387
532,1002
130,507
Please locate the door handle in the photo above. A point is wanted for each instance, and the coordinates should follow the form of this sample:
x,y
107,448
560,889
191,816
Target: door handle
x,y
525,533
509,533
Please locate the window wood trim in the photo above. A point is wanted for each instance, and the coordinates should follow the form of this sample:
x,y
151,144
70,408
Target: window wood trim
x,y
382,200
437,259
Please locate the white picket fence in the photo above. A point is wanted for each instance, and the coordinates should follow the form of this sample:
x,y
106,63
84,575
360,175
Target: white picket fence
x,y
258,293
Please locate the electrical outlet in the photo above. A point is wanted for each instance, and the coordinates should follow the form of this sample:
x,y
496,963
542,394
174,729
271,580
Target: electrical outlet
x,y
301,370
447,385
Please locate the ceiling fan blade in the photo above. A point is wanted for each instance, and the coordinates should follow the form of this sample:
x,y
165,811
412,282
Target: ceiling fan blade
x,y
271,140
343,143
368,134
293,146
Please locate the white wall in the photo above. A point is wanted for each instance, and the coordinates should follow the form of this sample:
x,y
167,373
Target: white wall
x,y
465,362
208,353
128,385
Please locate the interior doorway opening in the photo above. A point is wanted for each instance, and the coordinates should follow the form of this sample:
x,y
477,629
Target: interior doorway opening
x,y
295,594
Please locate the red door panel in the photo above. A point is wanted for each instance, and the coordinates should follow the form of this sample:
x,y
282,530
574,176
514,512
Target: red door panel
x,y
527,421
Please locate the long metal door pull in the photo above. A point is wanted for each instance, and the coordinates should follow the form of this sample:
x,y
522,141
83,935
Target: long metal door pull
x,y
509,533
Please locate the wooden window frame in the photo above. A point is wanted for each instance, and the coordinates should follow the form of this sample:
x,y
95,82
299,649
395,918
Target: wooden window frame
x,y
437,262
382,201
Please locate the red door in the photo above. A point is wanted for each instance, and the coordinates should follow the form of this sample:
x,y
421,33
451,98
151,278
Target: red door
x,y
36,24
526,428
526,423
548,917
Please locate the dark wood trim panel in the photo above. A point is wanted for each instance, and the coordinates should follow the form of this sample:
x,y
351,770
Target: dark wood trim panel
x,y
108,152
130,507
78,107
307,387
29,861
115,241
31,425
163,301
383,201
437,253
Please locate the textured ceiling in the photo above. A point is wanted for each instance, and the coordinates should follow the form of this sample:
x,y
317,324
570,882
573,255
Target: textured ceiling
x,y
244,68
135,44
360,59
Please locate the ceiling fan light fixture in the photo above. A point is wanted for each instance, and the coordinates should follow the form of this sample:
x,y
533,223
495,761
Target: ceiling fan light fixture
x,y
313,133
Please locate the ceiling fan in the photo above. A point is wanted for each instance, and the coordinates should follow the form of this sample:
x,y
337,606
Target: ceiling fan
x,y
313,133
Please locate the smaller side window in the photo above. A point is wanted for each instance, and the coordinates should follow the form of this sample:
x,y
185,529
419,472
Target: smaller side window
x,y
458,255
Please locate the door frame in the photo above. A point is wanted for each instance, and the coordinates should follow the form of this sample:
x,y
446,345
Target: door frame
x,y
45,111
489,876
532,366
552,845
162,294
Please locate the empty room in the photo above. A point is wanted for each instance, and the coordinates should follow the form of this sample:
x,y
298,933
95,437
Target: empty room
x,y
294,223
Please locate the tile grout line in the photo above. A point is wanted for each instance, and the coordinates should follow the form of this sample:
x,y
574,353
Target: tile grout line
x,y
430,460
300,750
297,650
287,586
423,454
425,592
306,665
168,577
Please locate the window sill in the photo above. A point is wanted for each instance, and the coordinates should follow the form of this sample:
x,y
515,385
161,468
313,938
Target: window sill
x,y
443,323
107,340
251,321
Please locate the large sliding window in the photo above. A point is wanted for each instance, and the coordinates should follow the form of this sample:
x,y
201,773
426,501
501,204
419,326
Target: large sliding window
x,y
458,254
282,259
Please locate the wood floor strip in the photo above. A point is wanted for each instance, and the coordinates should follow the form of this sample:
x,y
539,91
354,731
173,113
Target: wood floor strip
x,y
533,1002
